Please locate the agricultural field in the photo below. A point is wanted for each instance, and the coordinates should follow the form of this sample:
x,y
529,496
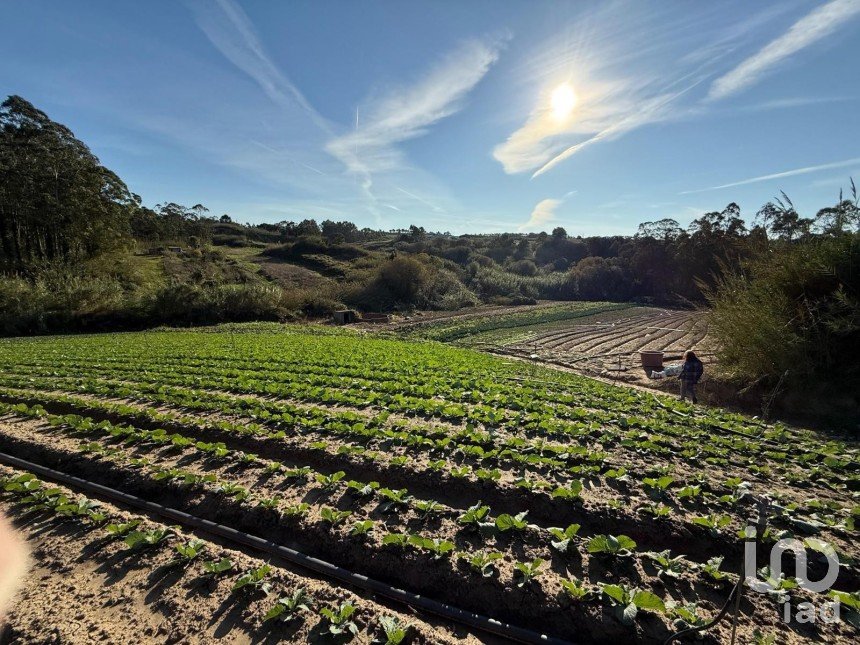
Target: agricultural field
x,y
541,499
592,338
485,325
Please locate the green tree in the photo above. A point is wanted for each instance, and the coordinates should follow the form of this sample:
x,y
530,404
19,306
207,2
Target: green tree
x,y
57,202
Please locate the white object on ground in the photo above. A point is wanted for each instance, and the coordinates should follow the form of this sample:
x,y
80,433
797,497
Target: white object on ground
x,y
668,370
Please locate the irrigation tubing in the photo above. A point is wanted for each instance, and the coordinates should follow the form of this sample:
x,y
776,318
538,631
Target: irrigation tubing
x,y
428,605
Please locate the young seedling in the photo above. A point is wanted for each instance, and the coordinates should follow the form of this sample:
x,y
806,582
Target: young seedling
x,y
658,510
334,516
778,587
235,491
362,528
143,539
273,467
395,631
427,507
689,492
460,471
395,539
571,491
437,546
119,530
255,579
394,499
83,506
528,571
577,590
217,450
506,522
628,601
362,489
666,564
329,481
658,486
271,503
711,569
483,562
474,515
298,474
286,607
714,522
618,474
760,638
850,605
484,474
563,542
296,510
339,623
190,550
217,567
686,616
620,546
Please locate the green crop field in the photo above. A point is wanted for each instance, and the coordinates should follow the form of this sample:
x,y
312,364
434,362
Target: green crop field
x,y
564,505
494,327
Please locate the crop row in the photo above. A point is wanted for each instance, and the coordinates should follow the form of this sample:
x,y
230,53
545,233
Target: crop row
x,y
656,486
437,555
388,498
468,443
460,329
673,440
142,538
378,366
532,574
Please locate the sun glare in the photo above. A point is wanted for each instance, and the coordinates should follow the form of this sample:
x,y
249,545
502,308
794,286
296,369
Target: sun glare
x,y
563,101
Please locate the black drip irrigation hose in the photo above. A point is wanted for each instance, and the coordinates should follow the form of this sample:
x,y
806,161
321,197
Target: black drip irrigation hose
x,y
718,618
428,605
737,591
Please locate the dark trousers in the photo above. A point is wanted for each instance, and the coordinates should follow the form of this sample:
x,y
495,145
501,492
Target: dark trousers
x,y
688,389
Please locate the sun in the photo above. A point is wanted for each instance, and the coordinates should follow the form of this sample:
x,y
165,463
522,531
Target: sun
x,y
563,100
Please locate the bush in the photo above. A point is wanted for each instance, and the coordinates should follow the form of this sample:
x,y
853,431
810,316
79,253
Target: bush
x,y
523,267
596,278
60,298
494,283
459,254
793,312
404,277
190,304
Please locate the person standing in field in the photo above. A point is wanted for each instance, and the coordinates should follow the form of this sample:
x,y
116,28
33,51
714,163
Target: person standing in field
x,y
690,374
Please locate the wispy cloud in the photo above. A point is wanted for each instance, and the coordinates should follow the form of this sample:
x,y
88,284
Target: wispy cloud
x,y
650,110
406,112
778,175
230,30
543,213
422,200
794,102
628,70
816,25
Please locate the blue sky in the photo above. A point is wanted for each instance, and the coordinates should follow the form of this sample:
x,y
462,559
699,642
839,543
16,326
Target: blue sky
x,y
441,113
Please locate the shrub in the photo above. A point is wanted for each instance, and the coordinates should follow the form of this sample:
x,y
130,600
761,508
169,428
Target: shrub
x,y
523,267
793,311
404,277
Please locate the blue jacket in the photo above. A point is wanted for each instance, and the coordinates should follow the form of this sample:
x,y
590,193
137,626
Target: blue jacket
x,y
692,371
